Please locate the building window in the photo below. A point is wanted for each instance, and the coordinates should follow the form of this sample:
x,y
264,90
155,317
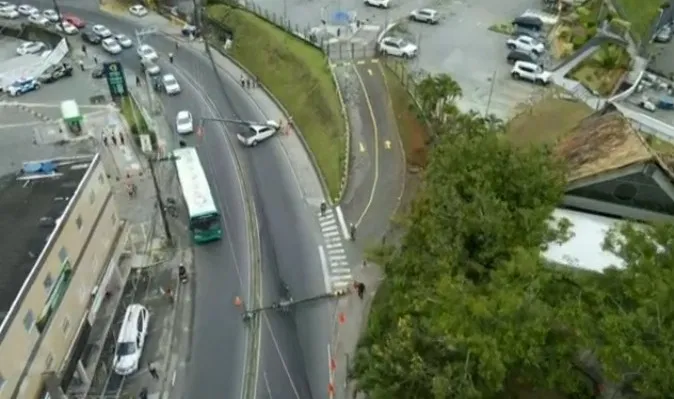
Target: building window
x,y
92,197
63,255
48,362
56,296
114,218
78,222
28,320
65,326
48,281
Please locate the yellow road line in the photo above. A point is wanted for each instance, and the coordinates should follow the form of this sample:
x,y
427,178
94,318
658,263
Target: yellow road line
x,y
376,146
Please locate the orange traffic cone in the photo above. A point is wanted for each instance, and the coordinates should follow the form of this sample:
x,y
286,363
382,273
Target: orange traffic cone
x,y
237,302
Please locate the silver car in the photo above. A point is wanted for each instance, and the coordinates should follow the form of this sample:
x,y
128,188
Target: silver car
x,y
664,35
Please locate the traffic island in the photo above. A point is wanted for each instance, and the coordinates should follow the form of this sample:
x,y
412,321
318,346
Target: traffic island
x,y
297,74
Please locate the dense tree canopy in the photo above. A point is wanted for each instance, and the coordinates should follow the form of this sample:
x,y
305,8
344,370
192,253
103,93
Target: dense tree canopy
x,y
470,309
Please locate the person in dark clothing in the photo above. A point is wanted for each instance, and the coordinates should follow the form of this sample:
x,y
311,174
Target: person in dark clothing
x,y
114,139
153,371
84,49
360,288
105,141
324,207
352,231
137,80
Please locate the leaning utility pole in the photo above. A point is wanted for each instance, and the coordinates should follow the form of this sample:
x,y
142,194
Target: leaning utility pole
x,y
160,200
139,42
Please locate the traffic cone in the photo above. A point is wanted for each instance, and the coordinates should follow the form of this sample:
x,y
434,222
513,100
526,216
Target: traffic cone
x,y
237,302
341,318
331,390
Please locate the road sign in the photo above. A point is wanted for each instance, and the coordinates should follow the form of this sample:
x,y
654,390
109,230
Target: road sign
x,y
114,74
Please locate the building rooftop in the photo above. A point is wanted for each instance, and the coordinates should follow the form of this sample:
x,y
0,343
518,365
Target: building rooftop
x,y
31,204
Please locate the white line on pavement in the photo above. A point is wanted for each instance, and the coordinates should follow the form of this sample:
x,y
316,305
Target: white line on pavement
x,y
337,257
335,251
331,234
340,270
324,266
342,221
329,228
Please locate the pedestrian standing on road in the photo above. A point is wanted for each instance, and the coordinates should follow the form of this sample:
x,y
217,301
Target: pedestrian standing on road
x,y
360,288
121,138
105,140
129,190
324,207
352,231
84,49
153,371
249,83
114,139
143,394
171,58
137,80
243,82
95,60
81,65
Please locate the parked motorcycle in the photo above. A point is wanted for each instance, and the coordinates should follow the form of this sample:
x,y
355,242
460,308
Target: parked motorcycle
x,y
182,274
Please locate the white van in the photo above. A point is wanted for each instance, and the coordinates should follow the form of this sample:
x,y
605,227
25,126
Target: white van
x,y
131,339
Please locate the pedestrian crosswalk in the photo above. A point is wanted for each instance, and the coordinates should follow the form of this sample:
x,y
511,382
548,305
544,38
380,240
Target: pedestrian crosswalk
x,y
338,268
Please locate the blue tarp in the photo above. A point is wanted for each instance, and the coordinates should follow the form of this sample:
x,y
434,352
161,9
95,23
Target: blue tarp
x,y
341,17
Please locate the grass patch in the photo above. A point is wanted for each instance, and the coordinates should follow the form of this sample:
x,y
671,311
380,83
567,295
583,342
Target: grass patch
x,y
641,14
412,131
134,119
546,121
660,146
602,71
299,76
505,29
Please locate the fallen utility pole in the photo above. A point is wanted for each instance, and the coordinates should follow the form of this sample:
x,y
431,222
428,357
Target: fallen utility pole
x,y
160,200
285,305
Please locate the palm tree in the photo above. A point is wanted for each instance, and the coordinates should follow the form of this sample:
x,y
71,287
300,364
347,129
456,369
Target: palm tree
x,y
437,95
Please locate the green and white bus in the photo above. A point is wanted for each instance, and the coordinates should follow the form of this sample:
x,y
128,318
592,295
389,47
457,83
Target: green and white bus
x,y
204,219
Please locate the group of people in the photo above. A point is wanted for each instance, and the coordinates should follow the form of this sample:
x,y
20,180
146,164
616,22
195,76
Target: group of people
x,y
248,83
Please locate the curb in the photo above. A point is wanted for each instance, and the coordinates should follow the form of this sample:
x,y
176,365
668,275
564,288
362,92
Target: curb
x,y
347,147
36,114
314,163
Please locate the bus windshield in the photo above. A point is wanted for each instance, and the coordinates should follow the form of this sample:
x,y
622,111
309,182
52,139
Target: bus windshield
x,y
205,223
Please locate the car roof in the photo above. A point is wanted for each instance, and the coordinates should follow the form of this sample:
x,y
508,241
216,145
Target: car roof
x,y
528,20
183,113
429,10
129,327
169,76
526,63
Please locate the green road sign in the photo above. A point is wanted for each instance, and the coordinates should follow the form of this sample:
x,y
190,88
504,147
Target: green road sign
x,y
114,74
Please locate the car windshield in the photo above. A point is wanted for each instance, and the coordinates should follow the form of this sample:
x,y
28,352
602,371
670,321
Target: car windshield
x,y
169,81
205,223
126,348
184,120
147,51
250,132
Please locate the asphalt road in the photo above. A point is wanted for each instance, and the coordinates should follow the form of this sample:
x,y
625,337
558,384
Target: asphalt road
x,y
293,356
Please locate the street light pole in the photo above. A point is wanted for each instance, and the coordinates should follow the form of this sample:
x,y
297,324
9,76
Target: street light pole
x,y
160,200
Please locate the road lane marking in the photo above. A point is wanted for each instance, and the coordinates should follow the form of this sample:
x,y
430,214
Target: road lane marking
x,y
338,257
339,284
341,270
375,129
330,222
369,71
324,266
362,147
337,245
336,251
280,355
341,277
329,228
342,221
387,144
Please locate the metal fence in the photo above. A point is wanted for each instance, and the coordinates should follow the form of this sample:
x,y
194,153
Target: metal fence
x,y
335,47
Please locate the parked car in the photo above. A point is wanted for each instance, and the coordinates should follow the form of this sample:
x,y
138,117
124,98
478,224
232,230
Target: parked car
x,y
7,5
531,72
102,31
397,47
190,31
520,31
90,37
254,134
151,68
55,73
663,35
111,46
525,43
427,15
378,3
171,85
147,53
30,48
138,10
9,13
123,40
67,28
184,122
51,15
26,10
521,55
38,19
131,339
529,22
74,21
23,86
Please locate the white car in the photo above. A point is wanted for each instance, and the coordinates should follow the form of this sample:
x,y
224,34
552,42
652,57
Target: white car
x,y
138,10
131,339
7,5
51,15
526,43
184,122
123,41
30,48
147,53
111,46
102,31
531,72
38,19
9,13
378,3
256,133
66,27
151,68
426,15
26,10
170,83
397,47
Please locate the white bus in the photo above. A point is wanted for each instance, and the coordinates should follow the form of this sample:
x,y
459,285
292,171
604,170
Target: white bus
x,y
204,218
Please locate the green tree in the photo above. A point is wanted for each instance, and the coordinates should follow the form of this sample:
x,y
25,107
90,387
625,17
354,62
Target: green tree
x,y
437,95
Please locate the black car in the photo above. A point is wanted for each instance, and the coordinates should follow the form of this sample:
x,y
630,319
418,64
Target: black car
x,y
520,31
97,73
55,73
531,23
519,55
90,37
